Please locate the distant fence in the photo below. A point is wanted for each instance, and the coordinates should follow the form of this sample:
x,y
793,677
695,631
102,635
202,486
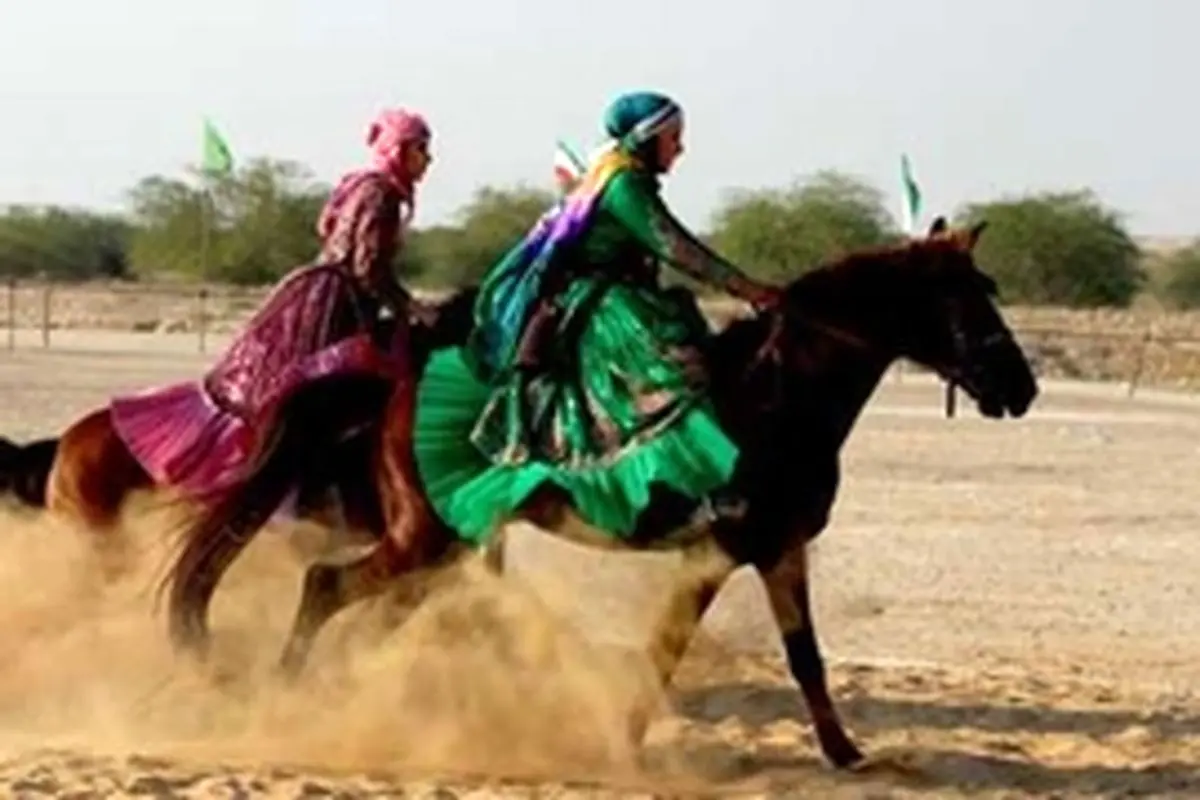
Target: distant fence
x,y
49,310
1133,347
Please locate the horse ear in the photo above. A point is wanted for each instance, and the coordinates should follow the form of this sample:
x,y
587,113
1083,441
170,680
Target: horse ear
x,y
938,227
974,233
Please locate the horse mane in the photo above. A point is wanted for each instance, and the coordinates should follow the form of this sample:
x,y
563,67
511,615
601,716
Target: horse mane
x,y
829,280
822,287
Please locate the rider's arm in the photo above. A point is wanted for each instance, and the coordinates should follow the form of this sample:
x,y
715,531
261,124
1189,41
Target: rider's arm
x,y
634,202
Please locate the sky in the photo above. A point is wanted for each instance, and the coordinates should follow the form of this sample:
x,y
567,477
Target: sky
x,y
989,99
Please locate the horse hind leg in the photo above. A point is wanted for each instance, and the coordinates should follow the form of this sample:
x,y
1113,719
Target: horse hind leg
x,y
413,537
92,474
215,537
88,480
704,569
329,588
203,563
493,551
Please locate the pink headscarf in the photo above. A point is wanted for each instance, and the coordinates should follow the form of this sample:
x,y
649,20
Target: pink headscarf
x,y
387,137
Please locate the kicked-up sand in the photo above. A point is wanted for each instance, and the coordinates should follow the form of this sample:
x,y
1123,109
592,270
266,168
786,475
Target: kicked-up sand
x,y
1008,609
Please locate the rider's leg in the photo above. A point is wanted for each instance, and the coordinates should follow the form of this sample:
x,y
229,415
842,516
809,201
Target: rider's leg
x,y
530,358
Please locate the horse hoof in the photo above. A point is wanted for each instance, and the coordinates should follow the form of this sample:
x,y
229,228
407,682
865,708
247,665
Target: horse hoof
x,y
290,667
893,764
190,643
844,755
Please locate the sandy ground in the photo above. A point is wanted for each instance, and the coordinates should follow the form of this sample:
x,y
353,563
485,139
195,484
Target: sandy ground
x,y
1008,609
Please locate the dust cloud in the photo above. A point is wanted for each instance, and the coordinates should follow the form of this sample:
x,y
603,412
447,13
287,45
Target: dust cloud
x,y
481,679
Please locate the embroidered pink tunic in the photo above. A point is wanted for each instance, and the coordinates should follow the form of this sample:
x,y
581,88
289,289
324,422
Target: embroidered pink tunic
x,y
320,320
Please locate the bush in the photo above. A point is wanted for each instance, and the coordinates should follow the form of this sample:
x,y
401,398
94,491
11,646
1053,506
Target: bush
x,y
777,234
1058,249
1181,277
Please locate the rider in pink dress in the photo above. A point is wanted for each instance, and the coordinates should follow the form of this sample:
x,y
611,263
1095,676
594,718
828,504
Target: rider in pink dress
x,y
343,314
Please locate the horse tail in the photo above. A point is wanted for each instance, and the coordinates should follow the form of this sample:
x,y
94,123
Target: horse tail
x,y
302,431
211,541
25,469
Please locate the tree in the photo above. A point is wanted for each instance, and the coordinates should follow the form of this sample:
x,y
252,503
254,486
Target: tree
x,y
493,222
268,219
261,222
777,234
429,256
62,244
1181,276
1058,248
169,218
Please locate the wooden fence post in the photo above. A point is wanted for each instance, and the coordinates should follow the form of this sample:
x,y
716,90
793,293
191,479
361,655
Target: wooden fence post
x,y
47,290
202,322
1140,364
12,313
951,399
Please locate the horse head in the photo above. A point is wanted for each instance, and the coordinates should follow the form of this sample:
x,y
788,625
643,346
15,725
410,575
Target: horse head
x,y
928,301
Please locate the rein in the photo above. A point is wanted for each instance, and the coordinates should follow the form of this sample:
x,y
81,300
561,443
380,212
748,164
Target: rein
x,y
770,349
770,353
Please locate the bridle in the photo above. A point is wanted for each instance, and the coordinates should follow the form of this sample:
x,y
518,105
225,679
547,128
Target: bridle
x,y
770,353
771,349
965,349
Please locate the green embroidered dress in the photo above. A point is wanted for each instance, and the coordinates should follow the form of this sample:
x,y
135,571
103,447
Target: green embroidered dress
x,y
619,401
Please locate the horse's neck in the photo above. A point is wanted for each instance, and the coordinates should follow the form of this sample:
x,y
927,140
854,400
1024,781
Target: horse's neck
x,y
828,395
823,386
837,361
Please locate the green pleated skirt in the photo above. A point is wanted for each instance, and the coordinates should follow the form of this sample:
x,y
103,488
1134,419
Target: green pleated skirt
x,y
625,410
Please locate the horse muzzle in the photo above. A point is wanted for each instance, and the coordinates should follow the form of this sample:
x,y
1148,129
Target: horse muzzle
x,y
996,374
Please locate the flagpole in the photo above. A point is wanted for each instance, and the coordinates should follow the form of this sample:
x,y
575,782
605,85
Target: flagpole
x,y
910,208
910,201
217,162
205,244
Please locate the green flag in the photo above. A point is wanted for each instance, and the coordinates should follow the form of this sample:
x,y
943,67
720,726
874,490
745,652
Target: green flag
x,y
217,158
912,196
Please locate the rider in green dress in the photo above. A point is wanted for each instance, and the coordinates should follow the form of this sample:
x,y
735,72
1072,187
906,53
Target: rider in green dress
x,y
582,370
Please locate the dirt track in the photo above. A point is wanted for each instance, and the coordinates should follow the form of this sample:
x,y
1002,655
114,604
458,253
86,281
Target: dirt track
x,y
1008,609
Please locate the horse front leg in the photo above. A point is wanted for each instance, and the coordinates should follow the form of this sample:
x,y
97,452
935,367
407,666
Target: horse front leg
x,y
787,587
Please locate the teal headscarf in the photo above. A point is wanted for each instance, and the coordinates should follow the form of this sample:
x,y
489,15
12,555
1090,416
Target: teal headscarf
x,y
635,118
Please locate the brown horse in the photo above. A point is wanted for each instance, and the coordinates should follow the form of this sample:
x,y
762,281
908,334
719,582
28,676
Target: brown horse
x,y
381,488
87,474
789,386
97,474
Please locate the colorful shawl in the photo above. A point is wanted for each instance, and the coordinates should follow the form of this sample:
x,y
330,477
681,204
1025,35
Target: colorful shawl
x,y
508,293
